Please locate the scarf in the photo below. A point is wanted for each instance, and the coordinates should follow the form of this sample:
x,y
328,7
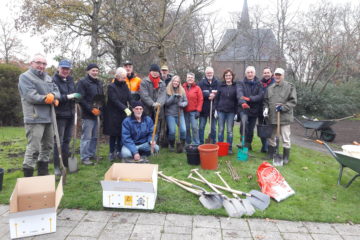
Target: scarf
x,y
155,81
265,82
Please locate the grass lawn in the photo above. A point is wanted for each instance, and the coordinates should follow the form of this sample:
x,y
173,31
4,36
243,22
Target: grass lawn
x,y
311,174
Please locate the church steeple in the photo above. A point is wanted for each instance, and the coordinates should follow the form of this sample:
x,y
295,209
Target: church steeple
x,y
244,19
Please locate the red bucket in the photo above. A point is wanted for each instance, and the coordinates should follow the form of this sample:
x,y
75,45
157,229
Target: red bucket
x,y
223,149
209,156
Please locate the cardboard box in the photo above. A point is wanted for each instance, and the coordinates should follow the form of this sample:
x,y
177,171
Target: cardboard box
x,y
130,185
33,206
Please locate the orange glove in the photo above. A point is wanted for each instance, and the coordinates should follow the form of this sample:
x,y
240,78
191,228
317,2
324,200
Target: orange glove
x,y
49,98
56,102
246,98
245,106
95,111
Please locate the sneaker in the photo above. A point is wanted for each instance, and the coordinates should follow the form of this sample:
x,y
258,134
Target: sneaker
x,y
87,162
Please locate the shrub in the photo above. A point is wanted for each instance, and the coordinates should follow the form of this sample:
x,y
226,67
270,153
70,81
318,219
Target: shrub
x,y
10,104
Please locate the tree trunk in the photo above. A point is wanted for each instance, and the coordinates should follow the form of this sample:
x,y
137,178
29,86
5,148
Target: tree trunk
x,y
94,43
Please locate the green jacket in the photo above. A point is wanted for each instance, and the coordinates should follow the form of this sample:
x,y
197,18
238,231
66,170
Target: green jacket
x,y
285,94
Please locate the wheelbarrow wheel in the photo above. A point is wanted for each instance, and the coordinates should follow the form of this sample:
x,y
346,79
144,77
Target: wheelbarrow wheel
x,y
327,134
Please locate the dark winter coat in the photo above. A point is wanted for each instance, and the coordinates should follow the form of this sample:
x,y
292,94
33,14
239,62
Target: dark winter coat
x,y
88,87
167,79
254,91
226,100
136,133
206,89
66,86
119,97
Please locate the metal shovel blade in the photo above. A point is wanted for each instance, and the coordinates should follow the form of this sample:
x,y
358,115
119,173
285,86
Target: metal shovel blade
x,y
232,208
239,207
211,201
73,164
258,199
249,209
277,159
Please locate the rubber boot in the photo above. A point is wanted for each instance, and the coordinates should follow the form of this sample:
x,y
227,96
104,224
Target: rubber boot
x,y
28,172
264,147
270,153
171,145
286,154
43,168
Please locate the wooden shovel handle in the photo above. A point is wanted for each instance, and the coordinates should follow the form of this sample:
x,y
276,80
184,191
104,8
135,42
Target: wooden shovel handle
x,y
155,127
319,141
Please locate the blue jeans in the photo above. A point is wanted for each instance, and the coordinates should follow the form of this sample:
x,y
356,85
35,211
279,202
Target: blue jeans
x,y
191,124
249,127
88,139
172,121
202,124
228,119
143,149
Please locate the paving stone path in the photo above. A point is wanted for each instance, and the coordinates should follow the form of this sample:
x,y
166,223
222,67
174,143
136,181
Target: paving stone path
x,y
75,224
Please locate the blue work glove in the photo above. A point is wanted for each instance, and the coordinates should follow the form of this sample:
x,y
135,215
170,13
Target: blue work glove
x,y
278,108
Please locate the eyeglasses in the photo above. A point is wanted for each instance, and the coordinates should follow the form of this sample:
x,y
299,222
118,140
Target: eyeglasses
x,y
41,63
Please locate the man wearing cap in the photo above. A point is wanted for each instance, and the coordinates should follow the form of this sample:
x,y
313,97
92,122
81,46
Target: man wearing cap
x,y
136,135
38,92
132,80
165,76
280,97
89,87
153,91
64,111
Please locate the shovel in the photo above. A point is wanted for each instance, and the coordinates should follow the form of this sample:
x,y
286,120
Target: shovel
x,y
243,151
258,199
57,139
208,200
179,146
277,159
99,101
73,162
208,140
243,204
155,128
229,204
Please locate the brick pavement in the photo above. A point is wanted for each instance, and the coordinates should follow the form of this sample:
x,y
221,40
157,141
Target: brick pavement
x,y
107,225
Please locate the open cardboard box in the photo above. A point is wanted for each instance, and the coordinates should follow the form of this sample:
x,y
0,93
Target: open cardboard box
x,y
130,185
33,206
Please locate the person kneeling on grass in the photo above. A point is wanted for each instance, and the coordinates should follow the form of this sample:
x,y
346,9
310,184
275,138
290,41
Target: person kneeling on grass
x,y
136,136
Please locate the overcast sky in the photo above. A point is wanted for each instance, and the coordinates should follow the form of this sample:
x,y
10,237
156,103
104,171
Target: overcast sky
x,y
222,8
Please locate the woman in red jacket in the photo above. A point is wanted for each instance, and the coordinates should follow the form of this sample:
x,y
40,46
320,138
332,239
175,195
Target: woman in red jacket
x,y
193,109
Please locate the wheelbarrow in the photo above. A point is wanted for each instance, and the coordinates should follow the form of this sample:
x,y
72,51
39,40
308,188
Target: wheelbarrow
x,y
345,161
320,128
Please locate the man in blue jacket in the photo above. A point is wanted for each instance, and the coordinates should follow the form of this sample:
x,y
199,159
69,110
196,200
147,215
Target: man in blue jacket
x,y
136,136
38,92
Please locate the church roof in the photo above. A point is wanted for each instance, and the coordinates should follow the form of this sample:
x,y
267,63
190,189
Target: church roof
x,y
247,44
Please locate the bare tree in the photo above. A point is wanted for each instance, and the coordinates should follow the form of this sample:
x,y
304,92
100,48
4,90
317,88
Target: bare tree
x,y
10,43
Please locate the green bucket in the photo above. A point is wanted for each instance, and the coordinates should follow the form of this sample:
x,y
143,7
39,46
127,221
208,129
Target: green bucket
x,y
243,154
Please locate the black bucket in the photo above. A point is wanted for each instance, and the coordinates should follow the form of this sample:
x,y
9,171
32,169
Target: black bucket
x,y
264,131
192,154
1,177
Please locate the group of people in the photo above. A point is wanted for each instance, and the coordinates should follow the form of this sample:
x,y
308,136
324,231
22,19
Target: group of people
x,y
134,105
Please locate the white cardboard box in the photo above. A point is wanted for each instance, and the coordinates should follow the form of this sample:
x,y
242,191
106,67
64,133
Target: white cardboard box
x,y
33,206
130,185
